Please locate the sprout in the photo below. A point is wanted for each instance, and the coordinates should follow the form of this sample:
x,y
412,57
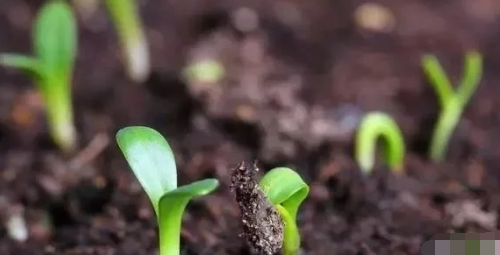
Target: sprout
x,y
373,126
152,161
206,71
269,208
55,43
452,104
286,190
125,17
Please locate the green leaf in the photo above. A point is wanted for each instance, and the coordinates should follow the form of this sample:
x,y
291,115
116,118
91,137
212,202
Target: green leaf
x,y
473,68
28,64
55,38
151,159
284,186
439,80
286,190
373,126
172,206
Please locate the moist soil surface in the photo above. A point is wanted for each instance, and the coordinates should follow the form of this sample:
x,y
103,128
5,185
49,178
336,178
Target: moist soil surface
x,y
299,75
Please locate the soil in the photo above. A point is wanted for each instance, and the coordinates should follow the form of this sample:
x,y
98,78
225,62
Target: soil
x,y
299,75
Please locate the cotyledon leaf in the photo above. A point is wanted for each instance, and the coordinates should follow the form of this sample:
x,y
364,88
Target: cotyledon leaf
x,y
151,159
284,186
172,206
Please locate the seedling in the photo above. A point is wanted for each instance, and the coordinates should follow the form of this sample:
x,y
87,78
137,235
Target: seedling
x,y
269,209
55,43
204,71
152,161
373,126
286,190
125,17
452,102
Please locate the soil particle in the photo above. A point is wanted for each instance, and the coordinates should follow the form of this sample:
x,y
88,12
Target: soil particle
x,y
262,224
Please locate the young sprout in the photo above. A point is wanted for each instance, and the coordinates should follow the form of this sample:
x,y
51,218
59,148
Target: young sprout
x,y
269,208
152,161
452,101
373,126
205,71
125,17
286,190
55,43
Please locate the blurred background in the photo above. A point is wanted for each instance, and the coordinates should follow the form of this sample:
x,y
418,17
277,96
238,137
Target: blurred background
x,y
296,78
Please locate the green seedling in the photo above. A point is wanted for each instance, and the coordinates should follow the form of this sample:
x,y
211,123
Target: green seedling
x,y
204,71
286,190
152,161
55,43
125,17
452,102
373,126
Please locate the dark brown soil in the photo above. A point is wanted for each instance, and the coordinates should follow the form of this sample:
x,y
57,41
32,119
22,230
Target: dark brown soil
x,y
297,82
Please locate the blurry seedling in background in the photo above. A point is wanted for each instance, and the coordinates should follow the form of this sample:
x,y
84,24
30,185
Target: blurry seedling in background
x,y
269,209
204,71
373,126
452,101
152,162
134,44
55,43
286,190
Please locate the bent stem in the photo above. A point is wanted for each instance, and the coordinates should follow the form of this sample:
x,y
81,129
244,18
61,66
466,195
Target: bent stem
x,y
125,17
377,126
291,242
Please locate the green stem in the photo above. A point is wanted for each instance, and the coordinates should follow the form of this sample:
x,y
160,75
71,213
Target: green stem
x,y
445,126
60,115
291,242
125,16
170,228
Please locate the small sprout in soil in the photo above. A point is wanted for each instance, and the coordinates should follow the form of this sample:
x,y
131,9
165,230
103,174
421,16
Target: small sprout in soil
x,y
152,161
373,126
204,71
55,44
134,44
452,101
269,209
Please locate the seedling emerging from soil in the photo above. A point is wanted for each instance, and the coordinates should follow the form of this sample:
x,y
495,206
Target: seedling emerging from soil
x,y
125,17
152,161
204,71
269,209
55,43
373,126
452,101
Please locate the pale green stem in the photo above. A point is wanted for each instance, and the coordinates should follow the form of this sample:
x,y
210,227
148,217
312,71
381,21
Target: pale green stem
x,y
60,115
125,16
291,242
170,229
447,122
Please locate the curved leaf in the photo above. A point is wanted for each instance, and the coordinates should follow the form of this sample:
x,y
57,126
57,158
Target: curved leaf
x,y
151,159
438,78
27,64
284,186
172,206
